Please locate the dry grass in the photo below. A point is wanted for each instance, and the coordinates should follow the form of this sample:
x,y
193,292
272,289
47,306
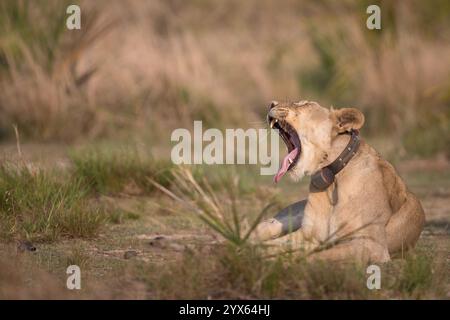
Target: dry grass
x,y
43,90
230,272
107,170
37,205
164,63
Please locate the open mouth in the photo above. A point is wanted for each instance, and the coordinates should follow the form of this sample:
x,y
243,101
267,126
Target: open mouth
x,y
292,141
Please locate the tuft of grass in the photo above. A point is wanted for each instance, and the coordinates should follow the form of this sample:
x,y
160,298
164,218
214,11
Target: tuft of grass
x,y
105,170
118,216
78,256
220,213
37,205
416,274
340,281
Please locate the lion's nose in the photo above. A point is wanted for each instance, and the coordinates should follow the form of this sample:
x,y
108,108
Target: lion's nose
x,y
271,118
273,104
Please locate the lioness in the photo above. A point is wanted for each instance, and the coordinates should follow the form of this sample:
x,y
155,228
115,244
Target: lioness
x,y
367,212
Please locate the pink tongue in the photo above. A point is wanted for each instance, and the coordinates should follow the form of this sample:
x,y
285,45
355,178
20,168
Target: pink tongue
x,y
285,165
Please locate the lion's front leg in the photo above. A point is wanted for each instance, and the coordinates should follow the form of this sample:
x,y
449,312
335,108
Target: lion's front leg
x,y
267,230
360,250
285,222
295,242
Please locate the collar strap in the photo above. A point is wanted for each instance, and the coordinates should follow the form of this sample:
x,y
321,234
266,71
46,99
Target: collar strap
x,y
323,178
346,155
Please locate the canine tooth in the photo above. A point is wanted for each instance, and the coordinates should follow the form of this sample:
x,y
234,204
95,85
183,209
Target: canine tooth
x,y
273,122
290,160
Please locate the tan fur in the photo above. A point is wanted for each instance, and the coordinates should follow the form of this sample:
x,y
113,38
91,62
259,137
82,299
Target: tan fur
x,y
374,216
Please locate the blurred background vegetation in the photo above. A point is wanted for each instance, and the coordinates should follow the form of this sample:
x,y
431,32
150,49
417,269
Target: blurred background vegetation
x,y
142,68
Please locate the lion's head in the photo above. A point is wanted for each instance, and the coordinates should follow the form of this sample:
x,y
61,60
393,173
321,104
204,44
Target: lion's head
x,y
308,131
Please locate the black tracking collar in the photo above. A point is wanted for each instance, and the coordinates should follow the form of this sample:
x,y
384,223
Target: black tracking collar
x,y
323,178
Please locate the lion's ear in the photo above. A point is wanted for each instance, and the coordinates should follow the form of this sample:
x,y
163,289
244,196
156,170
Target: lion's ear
x,y
346,119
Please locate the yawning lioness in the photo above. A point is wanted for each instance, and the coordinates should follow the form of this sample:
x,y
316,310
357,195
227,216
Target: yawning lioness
x,y
357,202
